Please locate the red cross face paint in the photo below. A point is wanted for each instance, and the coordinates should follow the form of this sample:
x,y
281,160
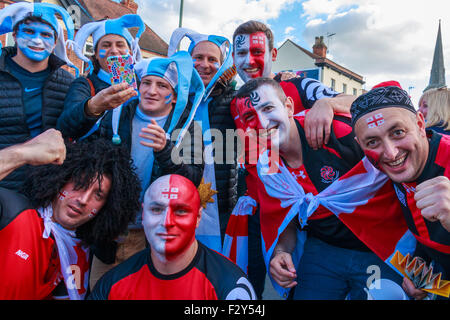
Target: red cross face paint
x,y
252,56
171,215
375,121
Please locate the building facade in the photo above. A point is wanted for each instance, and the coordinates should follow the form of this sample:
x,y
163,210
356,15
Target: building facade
x,y
315,64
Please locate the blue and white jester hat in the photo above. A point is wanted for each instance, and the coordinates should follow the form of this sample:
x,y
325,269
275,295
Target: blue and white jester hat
x,y
118,26
179,71
10,15
195,37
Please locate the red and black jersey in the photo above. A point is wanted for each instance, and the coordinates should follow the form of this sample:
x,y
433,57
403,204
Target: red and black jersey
x,y
210,276
29,266
305,92
321,168
433,239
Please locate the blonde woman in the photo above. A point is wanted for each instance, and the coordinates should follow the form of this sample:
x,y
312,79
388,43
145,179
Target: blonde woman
x,y
435,106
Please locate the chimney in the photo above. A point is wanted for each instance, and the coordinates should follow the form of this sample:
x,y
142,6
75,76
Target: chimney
x,y
130,4
319,48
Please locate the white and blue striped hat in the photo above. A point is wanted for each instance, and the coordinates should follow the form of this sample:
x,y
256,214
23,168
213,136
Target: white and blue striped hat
x,y
195,37
118,26
179,71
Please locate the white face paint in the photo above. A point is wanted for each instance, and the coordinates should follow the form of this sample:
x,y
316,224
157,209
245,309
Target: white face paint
x,y
171,209
154,215
252,56
272,121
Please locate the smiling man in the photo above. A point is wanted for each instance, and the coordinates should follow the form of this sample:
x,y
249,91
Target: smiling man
x,y
176,266
392,134
145,126
254,53
268,114
33,83
88,197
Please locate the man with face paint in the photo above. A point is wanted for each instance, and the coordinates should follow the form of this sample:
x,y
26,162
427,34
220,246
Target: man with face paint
x,y
392,134
143,125
90,97
176,266
33,83
331,247
76,195
254,53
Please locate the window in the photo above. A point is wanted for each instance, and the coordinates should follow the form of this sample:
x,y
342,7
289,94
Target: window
x,y
9,40
333,84
88,51
355,92
344,88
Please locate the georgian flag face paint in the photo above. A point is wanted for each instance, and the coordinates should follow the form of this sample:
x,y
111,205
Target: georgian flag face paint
x,y
171,216
252,56
36,40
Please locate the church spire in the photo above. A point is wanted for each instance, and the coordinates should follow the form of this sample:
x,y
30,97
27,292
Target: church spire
x,y
437,76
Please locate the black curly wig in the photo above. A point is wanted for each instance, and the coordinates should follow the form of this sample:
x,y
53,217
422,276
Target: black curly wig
x,y
86,162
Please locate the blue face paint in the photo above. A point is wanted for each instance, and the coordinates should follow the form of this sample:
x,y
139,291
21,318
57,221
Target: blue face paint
x,y
168,98
102,53
36,40
217,65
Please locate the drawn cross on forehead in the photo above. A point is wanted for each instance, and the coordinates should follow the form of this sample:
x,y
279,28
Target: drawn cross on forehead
x,y
169,193
375,121
171,187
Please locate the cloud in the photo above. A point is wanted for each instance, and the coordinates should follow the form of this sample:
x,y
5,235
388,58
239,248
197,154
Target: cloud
x,y
210,17
380,39
288,30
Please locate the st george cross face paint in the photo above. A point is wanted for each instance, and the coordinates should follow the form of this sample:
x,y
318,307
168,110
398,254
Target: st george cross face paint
x,y
252,56
171,215
265,112
36,40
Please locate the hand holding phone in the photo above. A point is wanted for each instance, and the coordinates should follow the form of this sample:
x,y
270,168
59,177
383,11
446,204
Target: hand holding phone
x,y
121,69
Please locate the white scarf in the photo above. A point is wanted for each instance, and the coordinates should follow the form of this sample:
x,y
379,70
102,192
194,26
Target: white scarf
x,y
65,241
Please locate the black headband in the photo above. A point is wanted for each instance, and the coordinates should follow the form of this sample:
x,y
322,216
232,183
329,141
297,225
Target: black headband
x,y
379,98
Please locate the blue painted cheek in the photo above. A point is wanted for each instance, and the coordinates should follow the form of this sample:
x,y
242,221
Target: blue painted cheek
x,y
25,42
168,98
102,53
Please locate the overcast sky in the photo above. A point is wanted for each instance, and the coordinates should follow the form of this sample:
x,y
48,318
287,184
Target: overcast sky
x,y
378,39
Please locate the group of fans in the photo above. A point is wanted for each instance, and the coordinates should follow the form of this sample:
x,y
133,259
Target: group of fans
x,y
109,191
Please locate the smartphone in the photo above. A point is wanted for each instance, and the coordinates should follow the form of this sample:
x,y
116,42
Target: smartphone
x,y
121,69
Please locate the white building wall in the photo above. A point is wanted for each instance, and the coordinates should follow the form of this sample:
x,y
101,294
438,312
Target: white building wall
x,y
292,58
